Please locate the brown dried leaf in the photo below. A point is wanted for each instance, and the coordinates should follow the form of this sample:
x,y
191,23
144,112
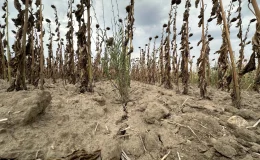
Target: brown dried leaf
x,y
197,3
38,3
250,66
17,5
219,19
199,42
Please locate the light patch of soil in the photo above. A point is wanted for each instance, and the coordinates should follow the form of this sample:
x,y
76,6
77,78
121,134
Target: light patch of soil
x,y
158,122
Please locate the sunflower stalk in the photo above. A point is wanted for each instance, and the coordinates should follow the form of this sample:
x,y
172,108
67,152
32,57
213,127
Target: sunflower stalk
x,y
149,60
41,49
153,67
236,99
70,59
7,41
168,83
174,48
202,61
59,58
23,60
185,49
256,45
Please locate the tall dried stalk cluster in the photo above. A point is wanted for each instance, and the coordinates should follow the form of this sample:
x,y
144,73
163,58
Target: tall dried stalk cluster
x,y
58,65
203,59
69,66
159,61
181,65
120,48
185,49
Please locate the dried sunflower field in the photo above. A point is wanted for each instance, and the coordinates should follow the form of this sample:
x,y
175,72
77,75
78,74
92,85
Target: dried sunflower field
x,y
130,80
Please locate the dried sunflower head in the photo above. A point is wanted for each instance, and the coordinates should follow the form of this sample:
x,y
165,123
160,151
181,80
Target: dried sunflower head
x,y
252,20
110,41
178,2
128,8
47,20
211,38
233,19
30,2
37,3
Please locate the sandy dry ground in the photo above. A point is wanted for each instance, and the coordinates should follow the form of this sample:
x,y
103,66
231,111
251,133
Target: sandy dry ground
x,y
159,123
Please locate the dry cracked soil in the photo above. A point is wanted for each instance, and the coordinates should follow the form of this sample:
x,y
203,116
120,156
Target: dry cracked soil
x,y
61,124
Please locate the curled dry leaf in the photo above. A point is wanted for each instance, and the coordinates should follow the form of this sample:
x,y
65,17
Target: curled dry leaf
x,y
17,5
233,20
197,3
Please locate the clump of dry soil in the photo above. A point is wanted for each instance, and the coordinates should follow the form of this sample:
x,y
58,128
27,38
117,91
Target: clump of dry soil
x,y
55,123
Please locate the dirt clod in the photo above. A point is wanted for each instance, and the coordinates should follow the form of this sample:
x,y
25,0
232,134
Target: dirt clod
x,y
255,155
101,101
133,147
247,157
248,114
40,102
237,121
155,112
151,141
255,148
27,109
225,150
246,134
210,153
113,151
